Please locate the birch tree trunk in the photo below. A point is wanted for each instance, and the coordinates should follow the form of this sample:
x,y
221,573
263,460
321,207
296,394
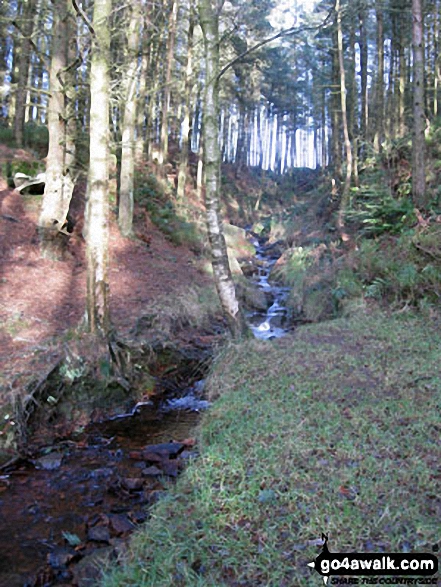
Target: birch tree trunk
x,y
127,180
419,118
209,20
61,154
97,206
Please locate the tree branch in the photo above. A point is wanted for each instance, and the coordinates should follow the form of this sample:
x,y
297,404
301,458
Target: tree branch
x,y
83,15
41,56
284,33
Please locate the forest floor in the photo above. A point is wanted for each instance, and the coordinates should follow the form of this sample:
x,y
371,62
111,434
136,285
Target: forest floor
x,y
43,301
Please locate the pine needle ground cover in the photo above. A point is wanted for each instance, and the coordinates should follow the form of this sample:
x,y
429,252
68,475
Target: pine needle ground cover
x,y
334,430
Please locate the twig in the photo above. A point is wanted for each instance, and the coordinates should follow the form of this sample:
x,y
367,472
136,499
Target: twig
x,y
284,33
83,15
424,250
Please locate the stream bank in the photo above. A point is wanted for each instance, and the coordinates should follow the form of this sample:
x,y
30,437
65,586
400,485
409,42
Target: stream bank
x,y
69,505
74,498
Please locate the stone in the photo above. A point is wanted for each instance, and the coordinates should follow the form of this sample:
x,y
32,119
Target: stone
x,y
121,524
49,462
98,534
60,557
132,483
152,472
88,571
165,449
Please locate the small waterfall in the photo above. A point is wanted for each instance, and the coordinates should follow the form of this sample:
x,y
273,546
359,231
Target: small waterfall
x,y
272,323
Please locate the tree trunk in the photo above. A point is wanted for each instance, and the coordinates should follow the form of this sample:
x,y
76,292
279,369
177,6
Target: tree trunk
x,y
364,77
141,122
379,87
127,177
348,147
163,153
27,26
209,20
419,118
97,207
186,126
61,154
335,112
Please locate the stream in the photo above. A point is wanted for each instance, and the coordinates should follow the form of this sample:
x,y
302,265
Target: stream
x,y
80,499
272,323
70,506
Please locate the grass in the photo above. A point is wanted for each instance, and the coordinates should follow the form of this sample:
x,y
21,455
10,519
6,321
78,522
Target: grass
x,y
334,430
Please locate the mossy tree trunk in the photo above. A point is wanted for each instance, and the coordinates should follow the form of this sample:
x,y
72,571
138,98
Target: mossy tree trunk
x,y
97,205
126,192
61,154
209,20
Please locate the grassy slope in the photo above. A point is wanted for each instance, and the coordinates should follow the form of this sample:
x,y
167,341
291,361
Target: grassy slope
x,y
335,429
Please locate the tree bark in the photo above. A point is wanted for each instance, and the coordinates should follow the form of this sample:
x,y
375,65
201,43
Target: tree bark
x,y
97,206
27,26
379,86
209,20
61,154
419,118
127,177
364,76
348,147
163,153
186,125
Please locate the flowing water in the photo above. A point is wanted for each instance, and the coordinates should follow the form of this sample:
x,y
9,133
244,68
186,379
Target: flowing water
x,y
83,496
58,508
272,323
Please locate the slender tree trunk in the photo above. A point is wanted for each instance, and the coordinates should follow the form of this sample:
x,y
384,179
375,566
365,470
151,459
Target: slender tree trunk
x,y
419,118
186,126
336,112
435,56
27,26
127,178
402,89
348,147
364,77
379,89
147,46
209,20
61,154
163,154
97,207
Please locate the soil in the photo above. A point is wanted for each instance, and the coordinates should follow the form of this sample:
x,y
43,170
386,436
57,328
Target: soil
x,y
40,299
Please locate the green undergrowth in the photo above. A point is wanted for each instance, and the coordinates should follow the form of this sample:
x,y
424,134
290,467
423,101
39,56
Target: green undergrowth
x,y
182,225
334,430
